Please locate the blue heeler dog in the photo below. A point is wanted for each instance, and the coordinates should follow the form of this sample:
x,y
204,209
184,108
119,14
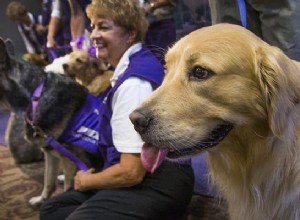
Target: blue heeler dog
x,y
60,116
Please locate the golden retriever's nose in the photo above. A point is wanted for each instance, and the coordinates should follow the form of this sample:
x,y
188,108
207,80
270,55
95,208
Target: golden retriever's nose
x,y
139,121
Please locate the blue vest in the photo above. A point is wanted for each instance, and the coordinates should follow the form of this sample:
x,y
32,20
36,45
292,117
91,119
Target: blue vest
x,y
143,64
83,129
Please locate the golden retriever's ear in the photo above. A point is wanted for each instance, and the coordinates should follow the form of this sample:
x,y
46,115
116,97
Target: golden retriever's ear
x,y
279,80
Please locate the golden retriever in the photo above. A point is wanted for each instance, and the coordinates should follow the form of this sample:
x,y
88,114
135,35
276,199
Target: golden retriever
x,y
233,95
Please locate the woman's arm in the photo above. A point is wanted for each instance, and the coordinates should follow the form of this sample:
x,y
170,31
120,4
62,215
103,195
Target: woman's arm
x,y
127,173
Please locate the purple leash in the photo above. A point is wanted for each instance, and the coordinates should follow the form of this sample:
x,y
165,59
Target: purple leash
x,y
49,140
35,99
65,152
54,54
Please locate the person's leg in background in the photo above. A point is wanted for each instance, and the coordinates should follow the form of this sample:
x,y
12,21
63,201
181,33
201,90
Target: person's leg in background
x,y
280,24
276,22
227,11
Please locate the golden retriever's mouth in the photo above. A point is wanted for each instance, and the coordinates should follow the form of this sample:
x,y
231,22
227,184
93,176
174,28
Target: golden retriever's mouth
x,y
152,156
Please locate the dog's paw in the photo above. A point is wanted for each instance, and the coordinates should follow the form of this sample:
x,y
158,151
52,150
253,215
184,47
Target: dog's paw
x,y
36,202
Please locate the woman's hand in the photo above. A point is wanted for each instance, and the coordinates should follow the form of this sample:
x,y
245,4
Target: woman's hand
x,y
128,172
81,179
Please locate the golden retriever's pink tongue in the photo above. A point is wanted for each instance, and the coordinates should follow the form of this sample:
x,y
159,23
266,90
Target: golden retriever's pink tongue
x,y
152,157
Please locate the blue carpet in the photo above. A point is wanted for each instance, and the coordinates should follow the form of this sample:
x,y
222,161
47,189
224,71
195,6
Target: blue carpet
x,y
4,115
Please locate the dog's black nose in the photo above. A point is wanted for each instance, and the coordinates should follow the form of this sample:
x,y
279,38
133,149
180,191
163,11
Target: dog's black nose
x,y
139,121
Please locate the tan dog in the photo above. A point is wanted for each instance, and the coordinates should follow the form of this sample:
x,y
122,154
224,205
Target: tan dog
x,y
88,71
225,87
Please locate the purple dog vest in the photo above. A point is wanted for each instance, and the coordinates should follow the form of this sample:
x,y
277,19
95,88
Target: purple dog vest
x,y
83,129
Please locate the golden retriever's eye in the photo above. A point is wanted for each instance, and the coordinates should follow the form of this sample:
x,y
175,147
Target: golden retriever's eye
x,y
199,73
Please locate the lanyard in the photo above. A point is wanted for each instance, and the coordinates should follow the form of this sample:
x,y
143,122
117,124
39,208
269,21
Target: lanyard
x,y
242,10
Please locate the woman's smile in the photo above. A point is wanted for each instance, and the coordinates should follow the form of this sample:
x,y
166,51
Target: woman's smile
x,y
99,45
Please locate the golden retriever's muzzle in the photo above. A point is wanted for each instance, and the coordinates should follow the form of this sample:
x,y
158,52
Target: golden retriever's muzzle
x,y
142,124
153,153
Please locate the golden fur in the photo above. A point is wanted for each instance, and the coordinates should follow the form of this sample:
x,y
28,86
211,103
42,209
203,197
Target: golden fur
x,y
88,71
224,73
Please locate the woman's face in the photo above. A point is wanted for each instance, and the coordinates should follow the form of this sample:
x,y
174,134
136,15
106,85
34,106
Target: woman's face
x,y
110,40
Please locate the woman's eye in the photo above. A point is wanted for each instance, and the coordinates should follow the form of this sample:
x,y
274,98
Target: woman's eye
x,y
199,73
103,27
100,27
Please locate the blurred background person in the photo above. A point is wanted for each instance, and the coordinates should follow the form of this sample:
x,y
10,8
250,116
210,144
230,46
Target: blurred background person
x,y
70,18
79,22
59,25
32,27
276,22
